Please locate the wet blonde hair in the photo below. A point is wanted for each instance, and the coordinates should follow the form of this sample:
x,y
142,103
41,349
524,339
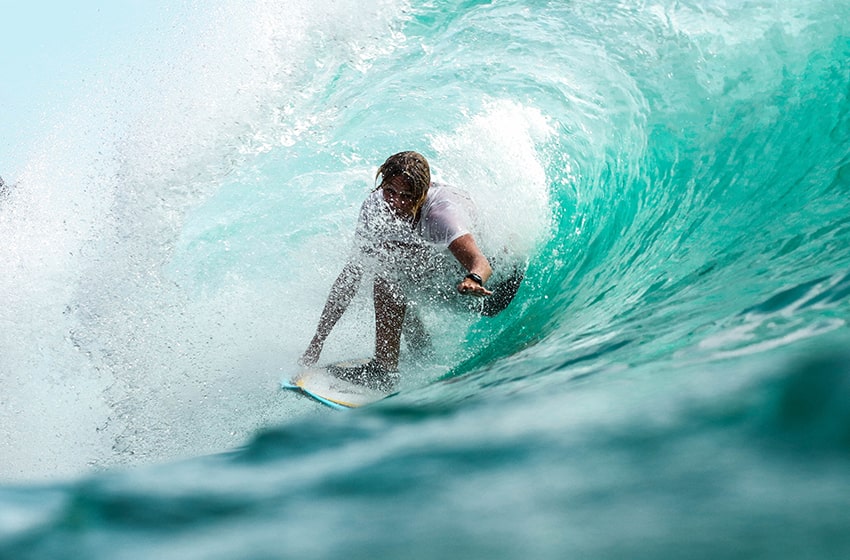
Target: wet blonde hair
x,y
413,167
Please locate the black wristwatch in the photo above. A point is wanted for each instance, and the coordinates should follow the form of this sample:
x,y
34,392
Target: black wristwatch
x,y
475,278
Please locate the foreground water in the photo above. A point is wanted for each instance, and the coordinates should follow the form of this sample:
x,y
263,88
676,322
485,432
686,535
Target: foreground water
x,y
672,380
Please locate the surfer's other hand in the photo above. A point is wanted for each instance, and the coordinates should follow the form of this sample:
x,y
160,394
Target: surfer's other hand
x,y
470,287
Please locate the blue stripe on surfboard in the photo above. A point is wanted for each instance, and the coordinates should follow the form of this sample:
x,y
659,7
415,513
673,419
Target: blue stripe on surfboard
x,y
289,385
326,402
317,383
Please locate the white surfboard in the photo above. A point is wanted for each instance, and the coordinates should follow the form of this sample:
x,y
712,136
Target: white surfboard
x,y
332,391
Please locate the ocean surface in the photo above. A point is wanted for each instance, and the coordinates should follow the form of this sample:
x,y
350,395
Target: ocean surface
x,y
672,380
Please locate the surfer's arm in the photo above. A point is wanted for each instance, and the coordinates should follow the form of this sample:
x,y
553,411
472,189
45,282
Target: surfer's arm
x,y
343,289
468,254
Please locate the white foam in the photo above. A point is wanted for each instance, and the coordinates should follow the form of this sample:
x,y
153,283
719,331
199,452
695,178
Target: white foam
x,y
495,157
102,357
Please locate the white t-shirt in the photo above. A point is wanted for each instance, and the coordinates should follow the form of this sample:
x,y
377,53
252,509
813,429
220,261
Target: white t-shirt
x,y
447,214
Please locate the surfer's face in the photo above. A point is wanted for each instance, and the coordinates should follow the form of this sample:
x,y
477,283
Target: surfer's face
x,y
399,196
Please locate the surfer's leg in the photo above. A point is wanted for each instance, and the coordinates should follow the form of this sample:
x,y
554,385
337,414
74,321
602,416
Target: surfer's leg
x,y
417,338
389,317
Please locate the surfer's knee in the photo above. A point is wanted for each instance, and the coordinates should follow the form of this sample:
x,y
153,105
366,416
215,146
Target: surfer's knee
x,y
503,294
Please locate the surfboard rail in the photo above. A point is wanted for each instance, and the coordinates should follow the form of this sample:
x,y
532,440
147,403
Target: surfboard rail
x,y
319,384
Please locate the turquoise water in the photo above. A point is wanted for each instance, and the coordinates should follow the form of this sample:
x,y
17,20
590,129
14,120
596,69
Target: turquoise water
x,y
672,380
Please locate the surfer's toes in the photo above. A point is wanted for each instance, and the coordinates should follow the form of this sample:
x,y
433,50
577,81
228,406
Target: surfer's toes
x,y
369,375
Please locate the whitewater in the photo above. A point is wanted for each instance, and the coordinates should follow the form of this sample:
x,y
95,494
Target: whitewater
x,y
672,379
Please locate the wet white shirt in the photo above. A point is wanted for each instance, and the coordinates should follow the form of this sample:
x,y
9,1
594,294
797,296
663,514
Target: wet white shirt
x,y
446,215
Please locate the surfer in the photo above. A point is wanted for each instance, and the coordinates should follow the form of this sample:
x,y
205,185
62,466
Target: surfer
x,y
401,223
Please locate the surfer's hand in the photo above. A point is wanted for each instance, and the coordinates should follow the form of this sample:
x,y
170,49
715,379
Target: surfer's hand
x,y
469,286
311,356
